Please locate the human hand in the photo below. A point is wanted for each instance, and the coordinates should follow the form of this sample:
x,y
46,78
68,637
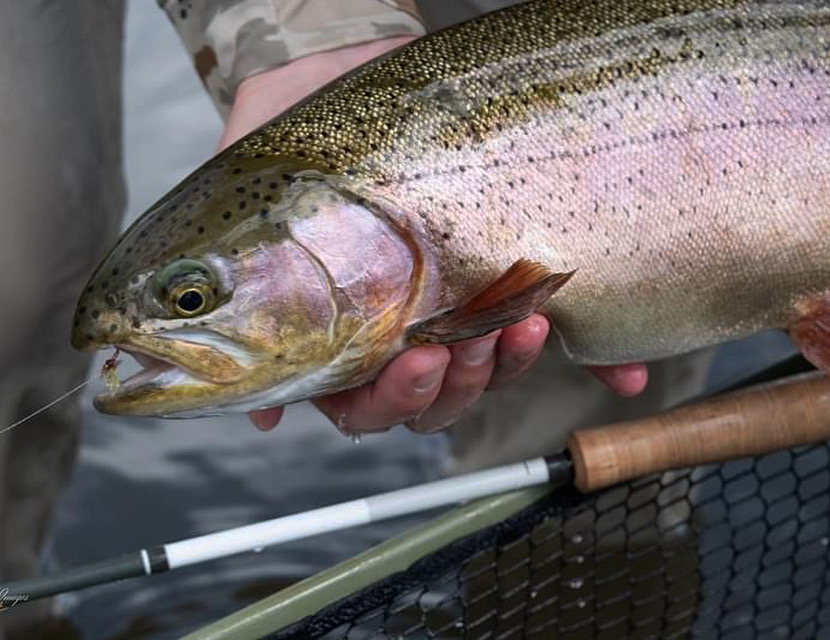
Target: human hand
x,y
427,387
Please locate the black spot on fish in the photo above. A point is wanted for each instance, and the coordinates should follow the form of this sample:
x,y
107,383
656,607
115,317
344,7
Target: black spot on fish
x,y
237,171
95,314
227,215
113,328
242,204
235,252
200,230
115,271
240,189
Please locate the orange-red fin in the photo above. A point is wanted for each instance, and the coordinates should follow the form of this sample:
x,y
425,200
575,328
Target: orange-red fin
x,y
812,333
524,287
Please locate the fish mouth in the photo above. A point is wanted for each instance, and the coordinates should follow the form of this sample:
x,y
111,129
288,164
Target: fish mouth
x,y
144,392
174,373
155,371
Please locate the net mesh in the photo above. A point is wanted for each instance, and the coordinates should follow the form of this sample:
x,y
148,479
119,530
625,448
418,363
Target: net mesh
x,y
733,551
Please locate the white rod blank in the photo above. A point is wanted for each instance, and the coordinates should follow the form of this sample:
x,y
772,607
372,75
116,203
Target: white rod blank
x,y
357,512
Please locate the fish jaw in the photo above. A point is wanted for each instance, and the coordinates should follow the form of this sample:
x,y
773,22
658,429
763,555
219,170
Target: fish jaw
x,y
166,389
178,369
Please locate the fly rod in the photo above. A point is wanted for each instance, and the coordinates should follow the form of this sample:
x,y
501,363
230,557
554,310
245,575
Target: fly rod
x,y
754,421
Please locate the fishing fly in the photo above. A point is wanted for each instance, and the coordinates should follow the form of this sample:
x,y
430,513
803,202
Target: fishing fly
x,y
107,374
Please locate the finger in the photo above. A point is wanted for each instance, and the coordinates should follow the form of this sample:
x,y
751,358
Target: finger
x,y
625,379
465,379
405,388
266,419
519,346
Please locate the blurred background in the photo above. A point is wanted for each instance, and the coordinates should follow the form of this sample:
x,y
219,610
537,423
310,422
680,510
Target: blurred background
x,y
141,482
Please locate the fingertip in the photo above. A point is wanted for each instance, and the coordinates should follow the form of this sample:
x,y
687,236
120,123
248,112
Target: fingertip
x,y
266,419
626,380
639,379
526,337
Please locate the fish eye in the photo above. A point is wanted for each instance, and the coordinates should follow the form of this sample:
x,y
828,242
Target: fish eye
x,y
186,288
191,299
190,302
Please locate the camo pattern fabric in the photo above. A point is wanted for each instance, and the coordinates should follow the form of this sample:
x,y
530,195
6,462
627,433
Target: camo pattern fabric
x,y
230,40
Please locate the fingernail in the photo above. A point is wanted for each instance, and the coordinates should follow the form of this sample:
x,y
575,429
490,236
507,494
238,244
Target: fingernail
x,y
478,352
428,381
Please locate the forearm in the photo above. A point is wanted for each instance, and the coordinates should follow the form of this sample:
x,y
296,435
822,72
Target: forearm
x,y
232,40
261,97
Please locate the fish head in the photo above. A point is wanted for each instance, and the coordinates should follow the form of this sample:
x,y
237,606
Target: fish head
x,y
250,285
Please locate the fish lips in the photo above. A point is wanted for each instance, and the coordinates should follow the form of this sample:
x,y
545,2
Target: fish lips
x,y
173,371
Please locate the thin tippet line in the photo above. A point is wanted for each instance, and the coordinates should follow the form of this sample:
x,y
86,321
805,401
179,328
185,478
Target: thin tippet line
x,y
47,406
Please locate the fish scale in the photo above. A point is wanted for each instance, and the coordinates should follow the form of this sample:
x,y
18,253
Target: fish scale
x,y
672,155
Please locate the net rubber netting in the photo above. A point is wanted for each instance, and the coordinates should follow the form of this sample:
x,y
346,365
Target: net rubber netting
x,y
732,551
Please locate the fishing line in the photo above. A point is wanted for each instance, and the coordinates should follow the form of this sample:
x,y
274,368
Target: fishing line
x,y
107,374
47,406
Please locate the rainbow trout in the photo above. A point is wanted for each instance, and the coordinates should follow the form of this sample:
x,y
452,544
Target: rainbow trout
x,y
667,164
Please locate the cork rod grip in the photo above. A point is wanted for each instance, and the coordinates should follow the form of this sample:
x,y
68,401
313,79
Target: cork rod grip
x,y
751,422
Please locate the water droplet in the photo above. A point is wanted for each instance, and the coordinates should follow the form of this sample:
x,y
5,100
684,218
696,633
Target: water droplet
x,y
825,541
577,538
458,624
534,595
575,583
581,604
578,559
356,438
259,549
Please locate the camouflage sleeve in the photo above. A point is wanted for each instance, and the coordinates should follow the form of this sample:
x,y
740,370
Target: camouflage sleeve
x,y
231,40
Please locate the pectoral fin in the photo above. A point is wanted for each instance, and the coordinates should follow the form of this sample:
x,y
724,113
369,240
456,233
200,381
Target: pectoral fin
x,y
523,288
812,332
